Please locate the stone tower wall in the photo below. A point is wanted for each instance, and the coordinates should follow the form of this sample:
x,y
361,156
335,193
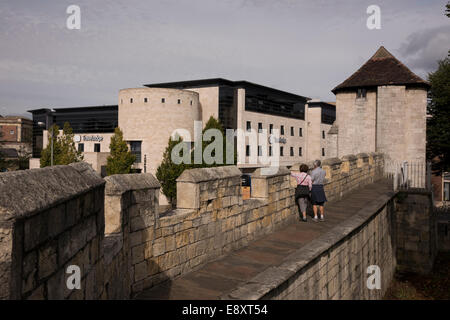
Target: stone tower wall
x,y
356,121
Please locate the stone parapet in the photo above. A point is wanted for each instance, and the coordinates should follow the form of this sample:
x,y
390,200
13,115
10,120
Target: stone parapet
x,y
350,172
334,265
50,219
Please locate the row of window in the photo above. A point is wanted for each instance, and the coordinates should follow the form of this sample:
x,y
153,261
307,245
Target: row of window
x,y
163,100
291,151
135,148
260,128
96,147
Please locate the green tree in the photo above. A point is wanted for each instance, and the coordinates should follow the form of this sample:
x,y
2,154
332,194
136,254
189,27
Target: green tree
x,y
69,153
168,172
438,125
53,133
120,159
64,151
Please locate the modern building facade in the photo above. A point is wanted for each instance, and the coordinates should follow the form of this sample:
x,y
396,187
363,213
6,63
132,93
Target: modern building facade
x,y
93,127
265,111
149,115
382,108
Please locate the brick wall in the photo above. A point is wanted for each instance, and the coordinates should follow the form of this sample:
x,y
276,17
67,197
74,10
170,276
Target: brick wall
x,y
5,133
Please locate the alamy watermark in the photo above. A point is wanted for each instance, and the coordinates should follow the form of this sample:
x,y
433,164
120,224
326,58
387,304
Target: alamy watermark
x,y
374,279
264,147
73,21
74,279
374,20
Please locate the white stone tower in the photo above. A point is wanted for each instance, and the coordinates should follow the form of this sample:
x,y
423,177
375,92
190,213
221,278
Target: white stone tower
x,y
382,108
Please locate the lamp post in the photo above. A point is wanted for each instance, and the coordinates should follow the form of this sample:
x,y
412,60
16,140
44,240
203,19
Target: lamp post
x,y
42,124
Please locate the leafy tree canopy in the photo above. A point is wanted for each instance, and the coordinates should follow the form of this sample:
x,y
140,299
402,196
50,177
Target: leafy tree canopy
x,y
64,151
438,125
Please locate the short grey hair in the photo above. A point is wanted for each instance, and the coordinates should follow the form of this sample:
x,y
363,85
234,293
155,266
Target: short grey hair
x,y
317,163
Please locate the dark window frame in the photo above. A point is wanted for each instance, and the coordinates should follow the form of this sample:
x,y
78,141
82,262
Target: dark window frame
x,y
136,149
361,93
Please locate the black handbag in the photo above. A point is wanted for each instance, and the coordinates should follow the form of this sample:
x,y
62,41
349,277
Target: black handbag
x,y
301,191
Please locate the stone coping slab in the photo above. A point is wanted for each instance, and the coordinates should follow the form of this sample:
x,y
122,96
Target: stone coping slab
x,y
209,174
120,183
282,171
24,193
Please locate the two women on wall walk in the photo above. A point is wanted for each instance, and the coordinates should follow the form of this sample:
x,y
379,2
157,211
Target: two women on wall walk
x,y
310,188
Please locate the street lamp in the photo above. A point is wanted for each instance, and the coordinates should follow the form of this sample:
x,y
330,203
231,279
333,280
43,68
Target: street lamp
x,y
42,124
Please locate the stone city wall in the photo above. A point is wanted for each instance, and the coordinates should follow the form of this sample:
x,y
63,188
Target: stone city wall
x,y
55,217
443,226
349,173
334,266
50,219
417,237
131,209
211,220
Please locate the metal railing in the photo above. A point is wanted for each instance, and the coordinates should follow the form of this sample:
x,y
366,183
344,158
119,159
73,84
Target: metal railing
x,y
408,175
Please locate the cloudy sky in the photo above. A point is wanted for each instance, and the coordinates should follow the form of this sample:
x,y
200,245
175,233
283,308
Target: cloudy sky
x,y
305,47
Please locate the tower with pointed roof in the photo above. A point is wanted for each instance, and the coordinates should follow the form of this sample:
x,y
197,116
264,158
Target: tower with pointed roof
x,y
382,108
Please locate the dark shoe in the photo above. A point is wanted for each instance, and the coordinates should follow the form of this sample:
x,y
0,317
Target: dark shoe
x,y
303,219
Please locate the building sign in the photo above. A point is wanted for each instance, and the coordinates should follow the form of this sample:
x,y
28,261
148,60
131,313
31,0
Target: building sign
x,y
93,138
273,139
97,138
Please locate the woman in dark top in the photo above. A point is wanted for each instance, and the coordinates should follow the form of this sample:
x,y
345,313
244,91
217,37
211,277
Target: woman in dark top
x,y
318,197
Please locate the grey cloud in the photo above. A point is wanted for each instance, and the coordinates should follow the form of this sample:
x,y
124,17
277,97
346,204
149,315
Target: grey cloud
x,y
303,46
423,49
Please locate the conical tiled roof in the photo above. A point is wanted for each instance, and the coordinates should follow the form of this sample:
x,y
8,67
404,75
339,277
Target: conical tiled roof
x,y
382,69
